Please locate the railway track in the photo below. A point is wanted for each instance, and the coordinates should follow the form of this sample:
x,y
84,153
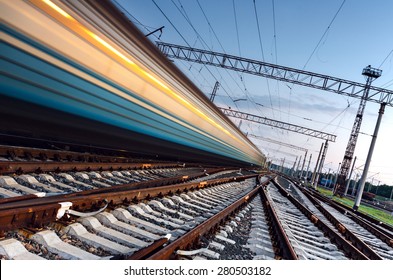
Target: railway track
x,y
213,217
52,183
123,230
369,238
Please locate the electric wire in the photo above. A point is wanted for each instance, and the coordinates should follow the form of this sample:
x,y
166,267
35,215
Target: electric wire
x,y
323,35
263,55
223,49
238,42
276,54
183,12
136,21
385,58
174,27
203,42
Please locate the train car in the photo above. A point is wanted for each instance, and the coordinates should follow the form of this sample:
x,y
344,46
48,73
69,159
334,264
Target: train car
x,y
80,72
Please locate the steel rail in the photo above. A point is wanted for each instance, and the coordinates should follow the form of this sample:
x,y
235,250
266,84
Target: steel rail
x,y
29,213
344,209
149,250
137,185
384,236
283,244
186,241
18,167
349,235
39,153
352,251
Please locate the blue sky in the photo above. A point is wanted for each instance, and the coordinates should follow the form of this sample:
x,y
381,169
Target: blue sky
x,y
360,34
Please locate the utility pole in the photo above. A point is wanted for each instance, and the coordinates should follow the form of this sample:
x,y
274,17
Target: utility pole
x,y
282,165
308,165
321,163
327,178
304,161
369,156
297,168
316,165
355,185
349,179
293,168
335,178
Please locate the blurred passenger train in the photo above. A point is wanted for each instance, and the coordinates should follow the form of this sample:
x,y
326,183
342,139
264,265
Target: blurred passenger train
x,y
80,72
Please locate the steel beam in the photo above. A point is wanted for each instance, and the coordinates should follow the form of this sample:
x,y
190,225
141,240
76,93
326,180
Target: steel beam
x,y
279,124
277,72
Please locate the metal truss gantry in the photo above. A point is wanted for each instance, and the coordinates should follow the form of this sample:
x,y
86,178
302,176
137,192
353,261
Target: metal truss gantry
x,y
285,145
365,92
277,72
279,124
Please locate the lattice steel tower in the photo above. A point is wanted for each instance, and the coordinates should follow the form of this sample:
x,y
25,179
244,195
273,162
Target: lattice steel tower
x,y
371,74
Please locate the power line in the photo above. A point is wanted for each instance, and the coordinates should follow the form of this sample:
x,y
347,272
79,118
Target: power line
x,y
200,38
385,59
259,31
230,75
263,55
162,12
274,33
238,42
211,27
237,29
136,21
275,52
323,35
174,27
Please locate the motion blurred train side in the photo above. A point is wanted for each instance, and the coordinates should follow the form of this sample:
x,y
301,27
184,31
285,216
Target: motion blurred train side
x,y
80,72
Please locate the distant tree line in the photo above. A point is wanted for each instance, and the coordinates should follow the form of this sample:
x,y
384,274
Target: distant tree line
x,y
381,190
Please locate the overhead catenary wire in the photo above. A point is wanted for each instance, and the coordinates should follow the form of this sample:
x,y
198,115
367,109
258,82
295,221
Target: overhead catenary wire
x,y
135,20
163,13
238,42
385,58
203,42
323,35
224,51
263,55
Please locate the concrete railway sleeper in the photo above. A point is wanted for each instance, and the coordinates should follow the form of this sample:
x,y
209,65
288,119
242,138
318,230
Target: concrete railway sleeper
x,y
310,236
373,241
126,231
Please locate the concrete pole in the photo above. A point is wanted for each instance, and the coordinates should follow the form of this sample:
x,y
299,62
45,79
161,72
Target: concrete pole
x,y
335,179
355,185
369,156
308,165
327,178
293,168
376,191
316,165
372,184
349,179
321,164
304,161
282,165
298,164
